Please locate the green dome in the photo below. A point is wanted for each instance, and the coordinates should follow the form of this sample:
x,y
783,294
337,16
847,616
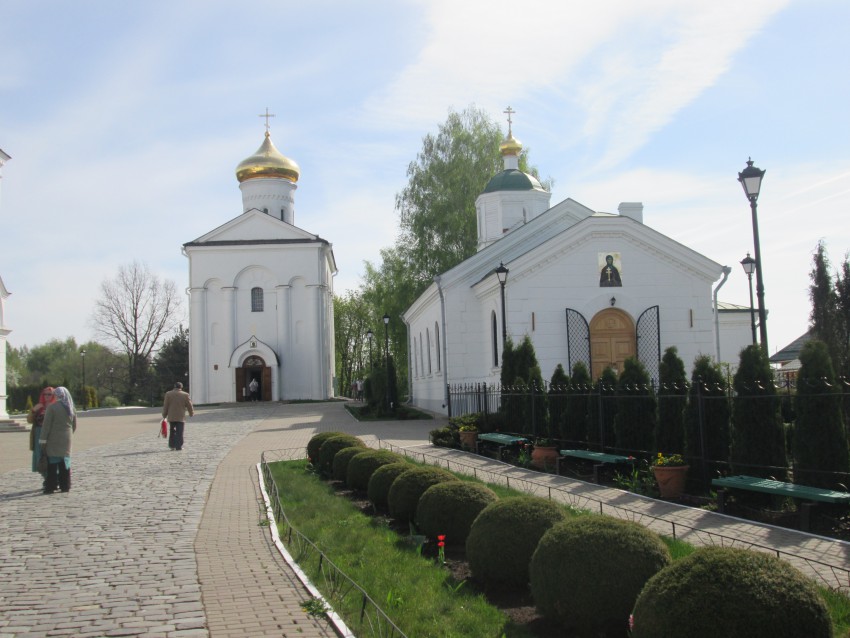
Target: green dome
x,y
512,179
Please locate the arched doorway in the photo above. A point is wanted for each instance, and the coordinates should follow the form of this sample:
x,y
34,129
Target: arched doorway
x,y
612,340
253,380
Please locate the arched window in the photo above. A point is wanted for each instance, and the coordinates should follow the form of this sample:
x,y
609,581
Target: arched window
x,y
437,343
428,343
494,330
256,299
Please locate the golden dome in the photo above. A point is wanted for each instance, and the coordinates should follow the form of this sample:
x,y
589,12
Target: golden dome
x,y
511,146
267,162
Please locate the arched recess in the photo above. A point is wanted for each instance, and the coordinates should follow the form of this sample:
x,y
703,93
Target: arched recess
x,y
255,359
612,340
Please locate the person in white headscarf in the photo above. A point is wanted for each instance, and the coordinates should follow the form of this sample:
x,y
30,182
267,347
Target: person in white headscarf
x,y
60,423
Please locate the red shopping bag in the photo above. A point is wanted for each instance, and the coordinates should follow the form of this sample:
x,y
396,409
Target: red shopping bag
x,y
163,429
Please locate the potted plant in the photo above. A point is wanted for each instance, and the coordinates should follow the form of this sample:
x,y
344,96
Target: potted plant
x,y
670,472
468,435
545,453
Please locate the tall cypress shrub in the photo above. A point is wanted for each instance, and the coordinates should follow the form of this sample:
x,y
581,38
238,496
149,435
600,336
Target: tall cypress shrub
x,y
603,409
634,423
576,424
820,442
672,399
758,437
707,419
558,388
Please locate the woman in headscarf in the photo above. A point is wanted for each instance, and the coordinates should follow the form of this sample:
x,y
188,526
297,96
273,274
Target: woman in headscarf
x,y
36,417
60,423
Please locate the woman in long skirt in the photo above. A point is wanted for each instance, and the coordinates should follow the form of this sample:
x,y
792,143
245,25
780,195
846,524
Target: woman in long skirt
x,y
36,417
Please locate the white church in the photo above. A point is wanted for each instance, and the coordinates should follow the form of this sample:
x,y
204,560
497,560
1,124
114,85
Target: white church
x,y
583,285
261,295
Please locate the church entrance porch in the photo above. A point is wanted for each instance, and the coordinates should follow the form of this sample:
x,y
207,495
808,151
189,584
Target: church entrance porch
x,y
253,380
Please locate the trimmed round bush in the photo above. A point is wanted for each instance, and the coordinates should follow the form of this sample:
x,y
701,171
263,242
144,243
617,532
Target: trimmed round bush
x,y
409,486
735,593
449,509
381,481
505,535
315,444
333,445
361,467
587,572
342,459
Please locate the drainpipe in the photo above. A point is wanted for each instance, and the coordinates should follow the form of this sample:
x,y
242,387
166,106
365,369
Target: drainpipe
x,y
726,271
438,280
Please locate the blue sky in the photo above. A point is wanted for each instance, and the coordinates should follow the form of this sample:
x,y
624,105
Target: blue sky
x,y
125,122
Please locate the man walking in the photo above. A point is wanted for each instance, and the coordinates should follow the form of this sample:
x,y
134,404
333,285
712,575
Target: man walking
x,y
174,408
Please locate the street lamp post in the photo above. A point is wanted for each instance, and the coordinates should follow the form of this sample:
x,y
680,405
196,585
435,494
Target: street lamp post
x,y
502,274
111,382
387,351
749,265
750,179
85,393
370,335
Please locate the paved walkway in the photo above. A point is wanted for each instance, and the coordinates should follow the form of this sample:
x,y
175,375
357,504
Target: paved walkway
x,y
151,542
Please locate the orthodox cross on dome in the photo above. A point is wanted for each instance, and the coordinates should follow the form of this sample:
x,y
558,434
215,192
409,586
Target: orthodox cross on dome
x,y
267,115
509,112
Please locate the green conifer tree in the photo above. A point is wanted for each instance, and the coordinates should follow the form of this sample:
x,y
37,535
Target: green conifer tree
x,y
672,399
558,396
758,437
707,420
820,442
577,414
634,424
603,409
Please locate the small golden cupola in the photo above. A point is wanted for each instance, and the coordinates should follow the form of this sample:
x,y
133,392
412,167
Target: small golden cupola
x,y
268,162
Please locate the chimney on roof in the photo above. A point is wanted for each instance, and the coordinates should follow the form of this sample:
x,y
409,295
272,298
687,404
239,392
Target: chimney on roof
x,y
631,209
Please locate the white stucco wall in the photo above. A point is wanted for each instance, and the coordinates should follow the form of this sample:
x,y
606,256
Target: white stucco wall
x,y
295,329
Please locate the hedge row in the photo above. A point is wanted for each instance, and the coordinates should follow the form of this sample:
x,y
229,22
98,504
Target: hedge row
x,y
594,575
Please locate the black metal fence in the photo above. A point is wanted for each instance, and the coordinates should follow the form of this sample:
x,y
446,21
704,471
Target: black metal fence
x,y
525,411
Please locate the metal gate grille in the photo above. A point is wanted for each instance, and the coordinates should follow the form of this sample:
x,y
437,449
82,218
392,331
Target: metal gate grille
x,y
578,340
648,333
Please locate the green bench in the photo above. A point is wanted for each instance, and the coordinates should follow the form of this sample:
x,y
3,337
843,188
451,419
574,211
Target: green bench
x,y
599,459
812,495
499,440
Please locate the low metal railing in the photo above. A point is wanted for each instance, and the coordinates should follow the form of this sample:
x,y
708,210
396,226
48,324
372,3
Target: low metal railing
x,y
335,585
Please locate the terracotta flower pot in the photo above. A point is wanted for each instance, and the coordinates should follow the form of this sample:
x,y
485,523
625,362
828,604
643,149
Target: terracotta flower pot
x,y
670,479
468,439
544,457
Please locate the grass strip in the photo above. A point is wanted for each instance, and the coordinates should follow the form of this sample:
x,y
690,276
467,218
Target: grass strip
x,y
421,597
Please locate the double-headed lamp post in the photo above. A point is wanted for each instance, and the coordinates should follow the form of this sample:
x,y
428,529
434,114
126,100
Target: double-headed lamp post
x,y
387,351
750,179
370,335
502,274
85,397
749,265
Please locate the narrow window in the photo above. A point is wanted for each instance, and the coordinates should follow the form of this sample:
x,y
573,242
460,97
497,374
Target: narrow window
x,y
421,358
494,329
437,343
415,359
256,299
428,337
